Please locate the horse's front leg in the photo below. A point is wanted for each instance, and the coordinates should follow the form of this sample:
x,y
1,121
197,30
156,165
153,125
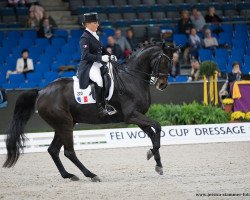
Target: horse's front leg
x,y
146,124
151,134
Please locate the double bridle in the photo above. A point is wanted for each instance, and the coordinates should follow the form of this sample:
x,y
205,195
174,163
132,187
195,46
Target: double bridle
x,y
153,77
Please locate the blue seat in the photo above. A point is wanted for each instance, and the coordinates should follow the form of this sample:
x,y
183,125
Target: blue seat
x,y
25,42
68,74
58,41
221,53
42,67
246,69
2,79
42,42
30,34
52,50
43,84
135,22
10,85
50,76
180,40
16,78
237,52
106,23
61,33
108,32
9,43
205,54
76,56
28,85
7,11
127,9
55,66
22,10
122,23
239,43
181,78
35,77
221,63
76,33
227,28
225,38
15,35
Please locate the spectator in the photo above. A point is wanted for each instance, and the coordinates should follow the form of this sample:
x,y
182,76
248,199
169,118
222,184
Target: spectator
x,y
114,49
24,65
197,19
51,20
184,24
195,70
38,11
194,43
131,39
32,21
15,3
209,41
174,69
122,42
211,16
46,30
235,75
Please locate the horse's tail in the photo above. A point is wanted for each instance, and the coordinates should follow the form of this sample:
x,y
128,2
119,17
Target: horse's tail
x,y
24,108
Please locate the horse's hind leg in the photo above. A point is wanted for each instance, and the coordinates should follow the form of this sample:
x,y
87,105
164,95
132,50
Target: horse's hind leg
x,y
54,150
69,152
151,134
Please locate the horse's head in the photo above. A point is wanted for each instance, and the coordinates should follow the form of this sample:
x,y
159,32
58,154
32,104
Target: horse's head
x,y
160,65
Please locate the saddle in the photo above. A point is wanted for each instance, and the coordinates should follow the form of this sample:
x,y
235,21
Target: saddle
x,y
87,96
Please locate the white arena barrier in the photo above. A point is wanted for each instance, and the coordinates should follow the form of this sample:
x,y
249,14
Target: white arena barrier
x,y
135,137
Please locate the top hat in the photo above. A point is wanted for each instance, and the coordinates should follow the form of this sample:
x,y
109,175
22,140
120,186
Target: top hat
x,y
90,17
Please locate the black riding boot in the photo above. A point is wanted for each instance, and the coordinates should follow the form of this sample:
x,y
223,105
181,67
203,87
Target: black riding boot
x,y
100,101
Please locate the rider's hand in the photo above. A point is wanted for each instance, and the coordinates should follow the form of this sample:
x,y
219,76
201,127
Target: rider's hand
x,y
113,57
105,58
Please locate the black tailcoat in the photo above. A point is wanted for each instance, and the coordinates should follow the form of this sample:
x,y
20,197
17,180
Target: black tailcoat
x,y
91,51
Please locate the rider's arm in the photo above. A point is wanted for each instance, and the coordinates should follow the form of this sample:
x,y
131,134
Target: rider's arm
x,y
86,55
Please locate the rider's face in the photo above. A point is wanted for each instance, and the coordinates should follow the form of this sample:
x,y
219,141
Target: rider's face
x,y
93,26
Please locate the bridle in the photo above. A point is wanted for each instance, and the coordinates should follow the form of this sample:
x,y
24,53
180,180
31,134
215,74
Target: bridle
x,y
151,77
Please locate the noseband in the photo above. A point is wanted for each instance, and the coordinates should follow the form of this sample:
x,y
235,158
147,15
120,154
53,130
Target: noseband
x,y
155,73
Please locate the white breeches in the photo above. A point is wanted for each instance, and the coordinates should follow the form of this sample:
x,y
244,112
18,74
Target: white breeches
x,y
95,74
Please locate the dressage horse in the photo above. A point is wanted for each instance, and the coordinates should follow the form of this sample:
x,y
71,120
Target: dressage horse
x,y
56,104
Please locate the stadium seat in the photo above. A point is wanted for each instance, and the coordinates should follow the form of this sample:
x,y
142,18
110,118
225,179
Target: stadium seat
x,y
61,33
42,67
35,77
221,63
28,85
129,15
106,2
181,78
10,85
42,42
58,41
50,76
30,34
221,53
180,40
76,33
205,54
68,74
90,3
16,78
25,43
43,84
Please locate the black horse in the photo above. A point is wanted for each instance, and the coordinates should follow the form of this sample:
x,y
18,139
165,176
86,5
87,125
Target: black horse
x,y
57,106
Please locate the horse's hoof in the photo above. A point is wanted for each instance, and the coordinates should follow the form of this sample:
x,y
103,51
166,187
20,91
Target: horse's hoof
x,y
74,178
159,170
149,154
95,179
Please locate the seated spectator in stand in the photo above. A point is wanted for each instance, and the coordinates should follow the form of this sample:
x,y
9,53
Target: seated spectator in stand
x,y
114,48
197,19
184,24
46,30
37,10
174,69
122,42
15,3
194,43
24,65
131,39
195,70
235,75
32,21
209,41
211,16
51,20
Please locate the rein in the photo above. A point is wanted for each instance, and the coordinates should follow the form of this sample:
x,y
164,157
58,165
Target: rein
x,y
155,73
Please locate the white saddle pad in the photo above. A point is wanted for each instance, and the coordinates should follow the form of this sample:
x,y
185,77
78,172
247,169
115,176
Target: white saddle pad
x,y
85,96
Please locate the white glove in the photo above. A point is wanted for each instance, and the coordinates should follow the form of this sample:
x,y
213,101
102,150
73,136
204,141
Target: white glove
x,y
105,58
113,57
